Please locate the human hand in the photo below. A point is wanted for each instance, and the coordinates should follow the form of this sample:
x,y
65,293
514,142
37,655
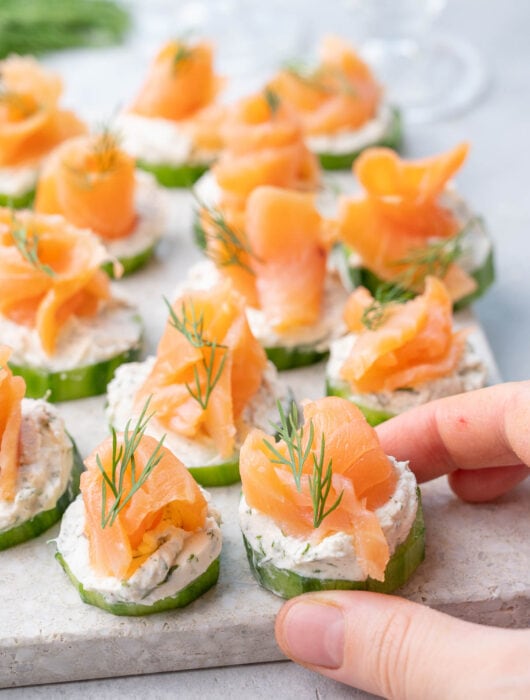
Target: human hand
x,y
398,649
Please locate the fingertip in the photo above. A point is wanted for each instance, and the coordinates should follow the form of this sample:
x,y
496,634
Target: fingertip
x,y
483,485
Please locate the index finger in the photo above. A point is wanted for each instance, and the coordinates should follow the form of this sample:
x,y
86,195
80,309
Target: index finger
x,y
481,429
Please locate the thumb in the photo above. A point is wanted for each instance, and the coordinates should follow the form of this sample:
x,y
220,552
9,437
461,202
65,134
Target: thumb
x,y
398,649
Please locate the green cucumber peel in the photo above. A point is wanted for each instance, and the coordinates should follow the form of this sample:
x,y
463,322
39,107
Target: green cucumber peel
x,y
402,564
374,416
185,596
393,138
19,201
69,384
130,263
297,356
41,522
173,176
222,474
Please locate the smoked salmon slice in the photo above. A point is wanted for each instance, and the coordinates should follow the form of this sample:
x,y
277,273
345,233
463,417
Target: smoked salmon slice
x,y
340,94
287,237
400,213
31,123
12,390
412,344
169,496
90,181
180,82
361,472
216,342
49,271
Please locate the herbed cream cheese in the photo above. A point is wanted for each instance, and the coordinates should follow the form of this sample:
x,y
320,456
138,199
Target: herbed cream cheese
x,y
354,140
160,141
18,181
319,335
82,341
45,464
193,452
151,208
471,373
180,557
334,556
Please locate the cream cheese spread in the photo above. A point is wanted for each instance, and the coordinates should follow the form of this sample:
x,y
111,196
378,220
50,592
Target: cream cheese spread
x,y
45,464
341,142
470,374
17,181
334,556
179,559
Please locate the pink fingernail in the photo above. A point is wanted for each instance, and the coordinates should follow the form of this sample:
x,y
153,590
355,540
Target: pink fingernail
x,y
314,633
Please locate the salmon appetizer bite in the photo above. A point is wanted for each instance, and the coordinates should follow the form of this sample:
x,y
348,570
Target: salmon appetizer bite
x,y
278,261
208,385
340,104
141,538
402,353
39,463
92,182
324,508
67,328
174,126
409,222
31,125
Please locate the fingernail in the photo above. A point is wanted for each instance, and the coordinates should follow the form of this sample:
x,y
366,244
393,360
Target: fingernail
x,y
314,633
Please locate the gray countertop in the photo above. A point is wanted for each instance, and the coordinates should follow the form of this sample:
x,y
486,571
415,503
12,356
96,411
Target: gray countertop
x,y
495,181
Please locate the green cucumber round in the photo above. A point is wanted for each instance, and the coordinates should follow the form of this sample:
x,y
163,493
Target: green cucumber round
x,y
41,522
287,584
181,598
19,201
69,384
356,276
297,356
374,416
217,474
392,138
130,263
171,176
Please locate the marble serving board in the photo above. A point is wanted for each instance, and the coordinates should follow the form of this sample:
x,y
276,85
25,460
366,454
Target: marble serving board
x,y
476,567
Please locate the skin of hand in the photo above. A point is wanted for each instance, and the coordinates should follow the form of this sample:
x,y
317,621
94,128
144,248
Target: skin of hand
x,y
398,649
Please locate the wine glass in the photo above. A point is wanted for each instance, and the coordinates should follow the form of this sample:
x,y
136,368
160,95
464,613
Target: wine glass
x,y
430,76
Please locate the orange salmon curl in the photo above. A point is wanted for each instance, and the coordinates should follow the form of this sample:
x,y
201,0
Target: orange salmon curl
x,y
90,181
49,271
12,390
31,123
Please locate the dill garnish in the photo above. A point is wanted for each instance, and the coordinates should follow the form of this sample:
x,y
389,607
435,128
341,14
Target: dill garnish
x,y
182,54
231,248
273,100
320,486
28,247
123,462
191,326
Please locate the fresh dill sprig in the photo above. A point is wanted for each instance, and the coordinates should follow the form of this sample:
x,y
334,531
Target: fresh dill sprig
x,y
232,246
123,461
191,326
106,148
316,78
319,482
287,430
182,54
273,100
28,247
320,486
435,259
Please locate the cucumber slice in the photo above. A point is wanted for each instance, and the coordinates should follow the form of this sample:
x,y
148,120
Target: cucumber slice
x,y
78,383
181,598
217,474
355,276
42,521
184,175
296,356
19,201
392,138
374,416
287,584
130,263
